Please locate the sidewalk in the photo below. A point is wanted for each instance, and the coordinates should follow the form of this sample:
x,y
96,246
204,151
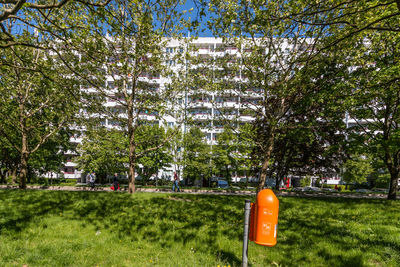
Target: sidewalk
x,y
206,191
138,189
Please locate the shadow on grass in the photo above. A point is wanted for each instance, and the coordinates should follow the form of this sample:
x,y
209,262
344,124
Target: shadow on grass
x,y
197,220
322,227
169,219
19,208
338,230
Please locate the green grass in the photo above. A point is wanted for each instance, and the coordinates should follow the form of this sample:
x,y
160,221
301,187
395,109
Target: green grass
x,y
59,228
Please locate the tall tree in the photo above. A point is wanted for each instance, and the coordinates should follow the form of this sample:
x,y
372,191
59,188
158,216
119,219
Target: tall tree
x,y
38,98
374,102
130,55
272,53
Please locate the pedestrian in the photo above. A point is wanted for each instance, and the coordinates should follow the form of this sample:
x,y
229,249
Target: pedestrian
x,y
176,183
91,177
115,182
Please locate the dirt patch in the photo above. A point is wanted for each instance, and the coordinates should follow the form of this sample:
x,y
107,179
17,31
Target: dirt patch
x,y
179,199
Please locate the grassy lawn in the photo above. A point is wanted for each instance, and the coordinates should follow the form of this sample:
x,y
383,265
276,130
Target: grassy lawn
x,y
57,228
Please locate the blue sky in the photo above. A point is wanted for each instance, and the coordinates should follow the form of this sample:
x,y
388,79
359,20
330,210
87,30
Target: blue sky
x,y
204,31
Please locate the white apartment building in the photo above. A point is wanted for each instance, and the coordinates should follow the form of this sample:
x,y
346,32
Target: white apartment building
x,y
205,108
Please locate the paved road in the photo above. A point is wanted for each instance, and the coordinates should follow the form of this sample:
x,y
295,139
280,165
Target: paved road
x,y
210,192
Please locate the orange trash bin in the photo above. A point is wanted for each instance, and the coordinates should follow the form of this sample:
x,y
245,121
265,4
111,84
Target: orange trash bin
x,y
264,219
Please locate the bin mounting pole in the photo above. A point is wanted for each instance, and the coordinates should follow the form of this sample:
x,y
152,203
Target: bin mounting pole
x,y
246,232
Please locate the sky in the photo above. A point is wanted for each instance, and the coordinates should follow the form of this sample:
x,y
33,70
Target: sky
x,y
204,31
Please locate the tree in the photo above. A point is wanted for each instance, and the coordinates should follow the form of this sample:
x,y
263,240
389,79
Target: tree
x,y
380,177
374,103
196,156
225,154
37,16
129,55
357,169
151,162
50,156
104,151
344,20
176,149
9,160
33,106
272,53
247,160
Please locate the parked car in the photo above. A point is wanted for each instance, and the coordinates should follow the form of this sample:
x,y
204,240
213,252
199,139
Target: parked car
x,y
307,189
328,190
362,191
222,184
311,189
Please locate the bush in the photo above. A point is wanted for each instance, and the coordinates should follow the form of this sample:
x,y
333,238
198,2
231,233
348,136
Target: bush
x,y
306,181
54,181
341,187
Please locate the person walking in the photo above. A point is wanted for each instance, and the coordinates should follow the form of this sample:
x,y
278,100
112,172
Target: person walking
x,y
91,177
115,182
176,183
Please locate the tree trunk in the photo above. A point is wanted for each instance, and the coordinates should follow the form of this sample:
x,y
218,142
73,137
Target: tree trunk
x,y
228,176
394,177
132,149
277,182
264,168
24,170
24,160
132,161
2,177
13,174
247,178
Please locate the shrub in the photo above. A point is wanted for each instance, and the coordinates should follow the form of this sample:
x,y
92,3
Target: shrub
x,y
306,181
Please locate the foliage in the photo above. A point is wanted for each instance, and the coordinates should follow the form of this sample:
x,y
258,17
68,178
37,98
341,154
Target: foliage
x,y
196,156
357,169
8,159
247,162
103,151
36,16
157,159
106,151
380,177
176,149
306,181
128,53
33,106
51,156
225,154
276,61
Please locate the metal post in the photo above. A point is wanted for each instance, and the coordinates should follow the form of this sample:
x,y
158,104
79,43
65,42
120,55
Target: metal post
x,y
246,232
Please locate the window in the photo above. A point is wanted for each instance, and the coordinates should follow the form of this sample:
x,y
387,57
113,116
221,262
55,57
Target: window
x,y
215,136
169,50
171,62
